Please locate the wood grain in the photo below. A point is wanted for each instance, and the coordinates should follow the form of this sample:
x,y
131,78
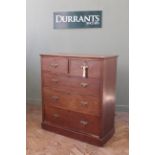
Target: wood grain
x,y
57,81
55,65
72,120
93,67
78,103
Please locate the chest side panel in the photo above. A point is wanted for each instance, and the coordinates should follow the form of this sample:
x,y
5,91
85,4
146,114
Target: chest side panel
x,y
108,95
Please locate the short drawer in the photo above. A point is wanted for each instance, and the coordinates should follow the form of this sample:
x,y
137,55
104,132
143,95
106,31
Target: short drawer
x,y
78,103
72,120
55,65
92,67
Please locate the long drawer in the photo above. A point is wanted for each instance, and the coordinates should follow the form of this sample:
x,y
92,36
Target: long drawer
x,y
80,85
79,103
72,120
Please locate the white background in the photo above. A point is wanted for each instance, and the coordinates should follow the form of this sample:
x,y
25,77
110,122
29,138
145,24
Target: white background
x,y
13,73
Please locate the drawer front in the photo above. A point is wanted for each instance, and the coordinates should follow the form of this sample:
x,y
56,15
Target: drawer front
x,y
78,103
55,65
72,84
75,91
74,121
90,68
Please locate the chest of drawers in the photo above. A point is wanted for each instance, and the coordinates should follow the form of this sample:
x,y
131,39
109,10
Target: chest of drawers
x,y
78,96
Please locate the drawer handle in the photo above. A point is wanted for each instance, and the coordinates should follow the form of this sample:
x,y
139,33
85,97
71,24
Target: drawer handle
x,y
84,103
54,65
84,85
55,98
84,70
55,80
56,115
84,122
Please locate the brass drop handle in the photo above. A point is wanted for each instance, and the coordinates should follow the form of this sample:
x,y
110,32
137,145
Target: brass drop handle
x,y
84,122
54,65
84,103
55,80
56,115
84,71
84,85
55,98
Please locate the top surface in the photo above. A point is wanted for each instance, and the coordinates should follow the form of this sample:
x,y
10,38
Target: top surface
x,y
78,55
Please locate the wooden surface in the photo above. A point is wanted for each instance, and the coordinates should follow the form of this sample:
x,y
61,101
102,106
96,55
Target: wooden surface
x,y
69,81
72,120
77,55
42,142
83,103
93,71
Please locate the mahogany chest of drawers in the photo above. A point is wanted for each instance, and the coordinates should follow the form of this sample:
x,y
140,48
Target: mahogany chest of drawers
x,y
78,96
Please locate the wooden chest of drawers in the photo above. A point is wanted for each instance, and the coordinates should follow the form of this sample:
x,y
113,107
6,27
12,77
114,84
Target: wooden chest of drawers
x,y
78,96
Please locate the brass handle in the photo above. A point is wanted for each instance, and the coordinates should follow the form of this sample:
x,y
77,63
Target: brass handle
x,y
55,80
55,98
84,103
56,115
84,122
83,84
54,65
84,71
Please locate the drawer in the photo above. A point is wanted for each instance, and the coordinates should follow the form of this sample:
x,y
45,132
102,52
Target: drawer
x,y
79,85
92,70
78,103
55,65
75,91
74,121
